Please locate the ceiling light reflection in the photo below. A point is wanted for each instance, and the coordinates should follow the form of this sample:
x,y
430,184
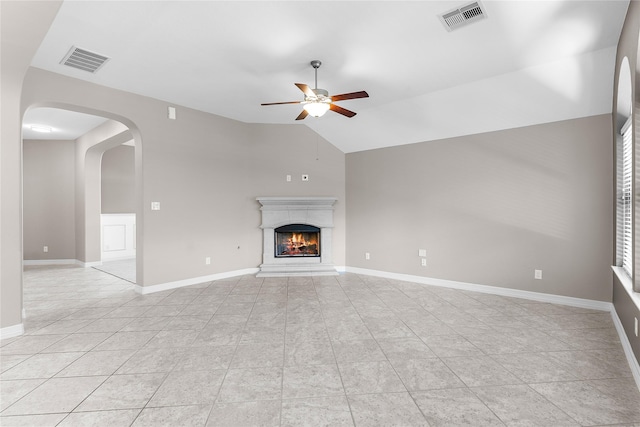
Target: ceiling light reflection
x,y
41,128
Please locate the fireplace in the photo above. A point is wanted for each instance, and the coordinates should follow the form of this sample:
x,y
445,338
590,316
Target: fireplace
x,y
297,240
297,236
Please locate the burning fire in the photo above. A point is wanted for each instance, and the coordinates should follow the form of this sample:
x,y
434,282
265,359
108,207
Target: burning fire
x,y
298,241
299,244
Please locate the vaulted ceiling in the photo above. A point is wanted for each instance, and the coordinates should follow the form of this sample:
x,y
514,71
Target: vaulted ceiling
x,y
527,62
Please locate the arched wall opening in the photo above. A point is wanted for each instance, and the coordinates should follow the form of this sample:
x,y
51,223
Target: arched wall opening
x,y
624,99
622,122
88,152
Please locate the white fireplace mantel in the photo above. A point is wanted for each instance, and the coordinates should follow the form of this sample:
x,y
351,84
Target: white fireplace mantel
x,y
279,211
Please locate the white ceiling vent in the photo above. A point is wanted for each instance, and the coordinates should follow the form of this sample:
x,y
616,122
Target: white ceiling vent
x,y
84,60
463,15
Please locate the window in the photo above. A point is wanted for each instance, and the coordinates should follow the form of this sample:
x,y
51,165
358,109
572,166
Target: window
x,y
625,207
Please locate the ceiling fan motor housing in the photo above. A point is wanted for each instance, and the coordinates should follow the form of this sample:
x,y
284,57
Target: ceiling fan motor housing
x,y
321,93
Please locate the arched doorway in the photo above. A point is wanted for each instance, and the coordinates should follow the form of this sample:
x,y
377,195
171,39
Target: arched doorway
x,y
75,143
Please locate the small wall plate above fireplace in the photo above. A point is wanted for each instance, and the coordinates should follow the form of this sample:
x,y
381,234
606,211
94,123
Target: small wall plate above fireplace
x,y
297,236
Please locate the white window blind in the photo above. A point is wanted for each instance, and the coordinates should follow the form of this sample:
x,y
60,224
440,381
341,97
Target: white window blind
x,y
626,202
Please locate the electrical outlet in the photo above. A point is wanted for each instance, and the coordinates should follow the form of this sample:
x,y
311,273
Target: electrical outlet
x,y
45,249
207,260
537,274
423,262
367,255
288,178
155,206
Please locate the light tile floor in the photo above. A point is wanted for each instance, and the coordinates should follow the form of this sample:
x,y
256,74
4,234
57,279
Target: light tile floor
x,y
300,351
122,268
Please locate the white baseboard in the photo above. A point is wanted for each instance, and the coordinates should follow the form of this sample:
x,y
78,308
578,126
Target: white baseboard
x,y
120,258
88,264
145,290
516,293
494,290
30,262
12,331
49,262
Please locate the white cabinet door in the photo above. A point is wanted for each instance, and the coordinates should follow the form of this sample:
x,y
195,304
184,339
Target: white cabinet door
x,y
118,235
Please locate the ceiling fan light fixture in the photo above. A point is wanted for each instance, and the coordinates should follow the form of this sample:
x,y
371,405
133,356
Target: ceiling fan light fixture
x,y
316,108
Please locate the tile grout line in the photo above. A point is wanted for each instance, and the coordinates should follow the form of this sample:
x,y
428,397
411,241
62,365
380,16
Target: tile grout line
x,y
335,359
224,377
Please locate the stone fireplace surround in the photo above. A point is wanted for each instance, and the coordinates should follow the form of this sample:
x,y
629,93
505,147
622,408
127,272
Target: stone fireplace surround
x,y
279,211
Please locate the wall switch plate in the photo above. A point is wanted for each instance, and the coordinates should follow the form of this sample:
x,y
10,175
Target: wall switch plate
x,y
636,326
423,262
45,249
305,177
422,252
367,255
288,178
537,274
207,260
171,113
155,206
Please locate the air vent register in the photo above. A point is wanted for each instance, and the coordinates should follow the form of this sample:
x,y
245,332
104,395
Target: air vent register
x,y
462,16
84,60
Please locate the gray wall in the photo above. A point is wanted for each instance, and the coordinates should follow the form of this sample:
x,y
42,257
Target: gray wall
x,y
628,46
490,208
206,172
118,193
19,43
49,216
48,199
297,150
627,310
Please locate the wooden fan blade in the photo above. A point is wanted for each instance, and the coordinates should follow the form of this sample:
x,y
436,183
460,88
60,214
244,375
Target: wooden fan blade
x,y
352,95
341,110
302,115
306,89
282,103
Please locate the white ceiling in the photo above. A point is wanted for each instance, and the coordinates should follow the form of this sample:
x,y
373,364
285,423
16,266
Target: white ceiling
x,y
64,124
529,62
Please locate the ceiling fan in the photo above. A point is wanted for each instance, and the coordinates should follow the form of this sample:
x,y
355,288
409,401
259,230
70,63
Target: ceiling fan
x,y
317,101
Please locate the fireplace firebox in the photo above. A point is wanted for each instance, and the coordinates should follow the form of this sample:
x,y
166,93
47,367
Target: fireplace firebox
x,y
297,236
297,240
